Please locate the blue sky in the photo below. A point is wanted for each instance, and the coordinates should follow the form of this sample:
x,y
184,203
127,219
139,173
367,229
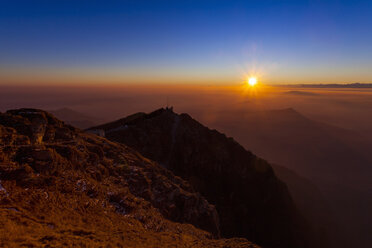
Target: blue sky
x,y
186,41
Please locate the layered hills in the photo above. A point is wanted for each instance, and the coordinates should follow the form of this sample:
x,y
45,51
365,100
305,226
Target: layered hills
x,y
320,151
75,118
335,160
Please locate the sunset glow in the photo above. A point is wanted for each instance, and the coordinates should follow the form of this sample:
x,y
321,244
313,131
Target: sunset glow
x,y
252,81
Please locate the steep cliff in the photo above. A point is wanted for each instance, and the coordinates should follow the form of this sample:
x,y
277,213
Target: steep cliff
x,y
250,200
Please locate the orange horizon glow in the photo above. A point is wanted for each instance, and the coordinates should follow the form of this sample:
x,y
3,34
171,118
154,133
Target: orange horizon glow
x,y
118,76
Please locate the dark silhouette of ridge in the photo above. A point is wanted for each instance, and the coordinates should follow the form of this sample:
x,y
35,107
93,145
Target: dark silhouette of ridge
x,y
251,201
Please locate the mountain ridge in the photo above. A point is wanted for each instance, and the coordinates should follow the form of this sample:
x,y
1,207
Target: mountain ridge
x,y
222,170
60,186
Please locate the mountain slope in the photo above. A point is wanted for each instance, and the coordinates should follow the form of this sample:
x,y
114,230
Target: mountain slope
x,y
62,187
338,161
250,200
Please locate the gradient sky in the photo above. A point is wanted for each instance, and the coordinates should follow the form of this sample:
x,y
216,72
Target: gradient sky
x,y
190,41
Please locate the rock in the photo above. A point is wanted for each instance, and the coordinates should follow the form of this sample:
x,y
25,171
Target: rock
x,y
43,155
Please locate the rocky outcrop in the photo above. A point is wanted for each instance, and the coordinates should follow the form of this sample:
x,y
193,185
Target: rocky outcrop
x,y
250,200
63,187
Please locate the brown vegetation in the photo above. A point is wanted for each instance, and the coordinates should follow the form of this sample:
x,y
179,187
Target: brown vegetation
x,y
61,187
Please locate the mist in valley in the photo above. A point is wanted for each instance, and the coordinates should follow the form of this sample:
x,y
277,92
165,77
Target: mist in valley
x,y
317,139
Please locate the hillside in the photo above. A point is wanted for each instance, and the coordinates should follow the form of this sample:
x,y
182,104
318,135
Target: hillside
x,y
249,198
62,187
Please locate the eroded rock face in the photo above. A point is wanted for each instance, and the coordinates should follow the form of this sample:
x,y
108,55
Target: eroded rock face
x,y
64,178
250,200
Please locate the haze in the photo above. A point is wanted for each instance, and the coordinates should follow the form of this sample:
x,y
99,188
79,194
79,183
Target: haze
x,y
243,68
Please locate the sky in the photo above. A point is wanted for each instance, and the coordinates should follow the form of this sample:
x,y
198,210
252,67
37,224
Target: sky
x,y
185,42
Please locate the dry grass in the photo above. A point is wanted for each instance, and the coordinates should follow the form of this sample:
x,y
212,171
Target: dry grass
x,y
81,190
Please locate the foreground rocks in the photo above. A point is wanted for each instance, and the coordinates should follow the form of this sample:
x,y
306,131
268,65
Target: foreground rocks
x,y
62,187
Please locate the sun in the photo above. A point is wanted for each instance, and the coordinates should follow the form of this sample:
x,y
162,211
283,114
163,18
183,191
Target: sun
x,y
252,81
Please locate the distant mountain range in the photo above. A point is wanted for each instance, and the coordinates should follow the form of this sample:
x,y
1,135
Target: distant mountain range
x,y
76,118
320,151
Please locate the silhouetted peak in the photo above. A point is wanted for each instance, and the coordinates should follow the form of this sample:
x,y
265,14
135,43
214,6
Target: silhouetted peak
x,y
133,119
290,110
161,111
287,113
249,198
